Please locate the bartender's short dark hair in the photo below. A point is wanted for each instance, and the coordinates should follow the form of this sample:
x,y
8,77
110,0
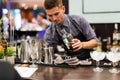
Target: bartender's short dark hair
x,y
49,4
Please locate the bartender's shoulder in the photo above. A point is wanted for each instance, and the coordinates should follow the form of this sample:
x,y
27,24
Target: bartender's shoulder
x,y
76,17
51,26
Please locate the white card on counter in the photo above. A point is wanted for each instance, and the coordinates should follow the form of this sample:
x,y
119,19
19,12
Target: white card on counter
x,y
25,72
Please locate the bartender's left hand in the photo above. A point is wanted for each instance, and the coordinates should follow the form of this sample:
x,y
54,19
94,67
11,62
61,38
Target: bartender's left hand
x,y
76,44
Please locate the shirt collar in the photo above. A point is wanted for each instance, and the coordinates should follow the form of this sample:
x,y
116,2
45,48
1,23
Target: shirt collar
x,y
66,21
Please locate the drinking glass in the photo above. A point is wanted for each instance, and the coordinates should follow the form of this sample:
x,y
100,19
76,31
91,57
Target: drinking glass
x,y
50,49
40,51
97,56
114,58
34,52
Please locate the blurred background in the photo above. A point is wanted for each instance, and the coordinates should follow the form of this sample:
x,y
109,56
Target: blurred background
x,y
25,17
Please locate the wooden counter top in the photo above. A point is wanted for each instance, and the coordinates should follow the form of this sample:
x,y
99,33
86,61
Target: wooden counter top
x,y
79,73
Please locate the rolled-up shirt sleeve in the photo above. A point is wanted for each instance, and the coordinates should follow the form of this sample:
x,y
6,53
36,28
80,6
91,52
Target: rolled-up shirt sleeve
x,y
86,29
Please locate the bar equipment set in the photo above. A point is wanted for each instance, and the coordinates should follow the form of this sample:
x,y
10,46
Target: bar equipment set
x,y
33,50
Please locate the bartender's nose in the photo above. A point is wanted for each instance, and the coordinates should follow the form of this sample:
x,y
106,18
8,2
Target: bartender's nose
x,y
54,18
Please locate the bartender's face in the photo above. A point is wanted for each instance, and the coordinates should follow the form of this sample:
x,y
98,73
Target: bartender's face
x,y
56,14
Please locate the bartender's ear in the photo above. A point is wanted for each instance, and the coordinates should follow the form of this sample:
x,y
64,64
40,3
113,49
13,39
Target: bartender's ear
x,y
63,8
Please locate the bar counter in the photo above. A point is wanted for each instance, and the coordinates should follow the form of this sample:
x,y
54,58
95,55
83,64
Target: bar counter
x,y
78,73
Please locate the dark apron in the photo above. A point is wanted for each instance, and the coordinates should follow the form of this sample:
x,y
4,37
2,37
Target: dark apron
x,y
82,53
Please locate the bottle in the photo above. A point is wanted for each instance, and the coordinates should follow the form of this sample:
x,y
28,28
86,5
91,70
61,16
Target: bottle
x,y
115,36
99,47
67,38
108,45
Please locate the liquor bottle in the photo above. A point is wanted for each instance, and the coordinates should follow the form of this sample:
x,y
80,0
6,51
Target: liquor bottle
x,y
99,47
108,45
115,36
67,39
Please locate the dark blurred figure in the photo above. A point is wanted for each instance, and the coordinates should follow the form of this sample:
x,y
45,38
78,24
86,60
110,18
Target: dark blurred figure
x,y
42,21
7,72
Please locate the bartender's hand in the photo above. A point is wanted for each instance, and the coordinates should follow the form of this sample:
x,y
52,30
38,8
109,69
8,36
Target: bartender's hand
x,y
76,45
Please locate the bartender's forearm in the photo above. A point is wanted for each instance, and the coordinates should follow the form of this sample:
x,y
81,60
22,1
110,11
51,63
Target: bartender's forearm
x,y
89,44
